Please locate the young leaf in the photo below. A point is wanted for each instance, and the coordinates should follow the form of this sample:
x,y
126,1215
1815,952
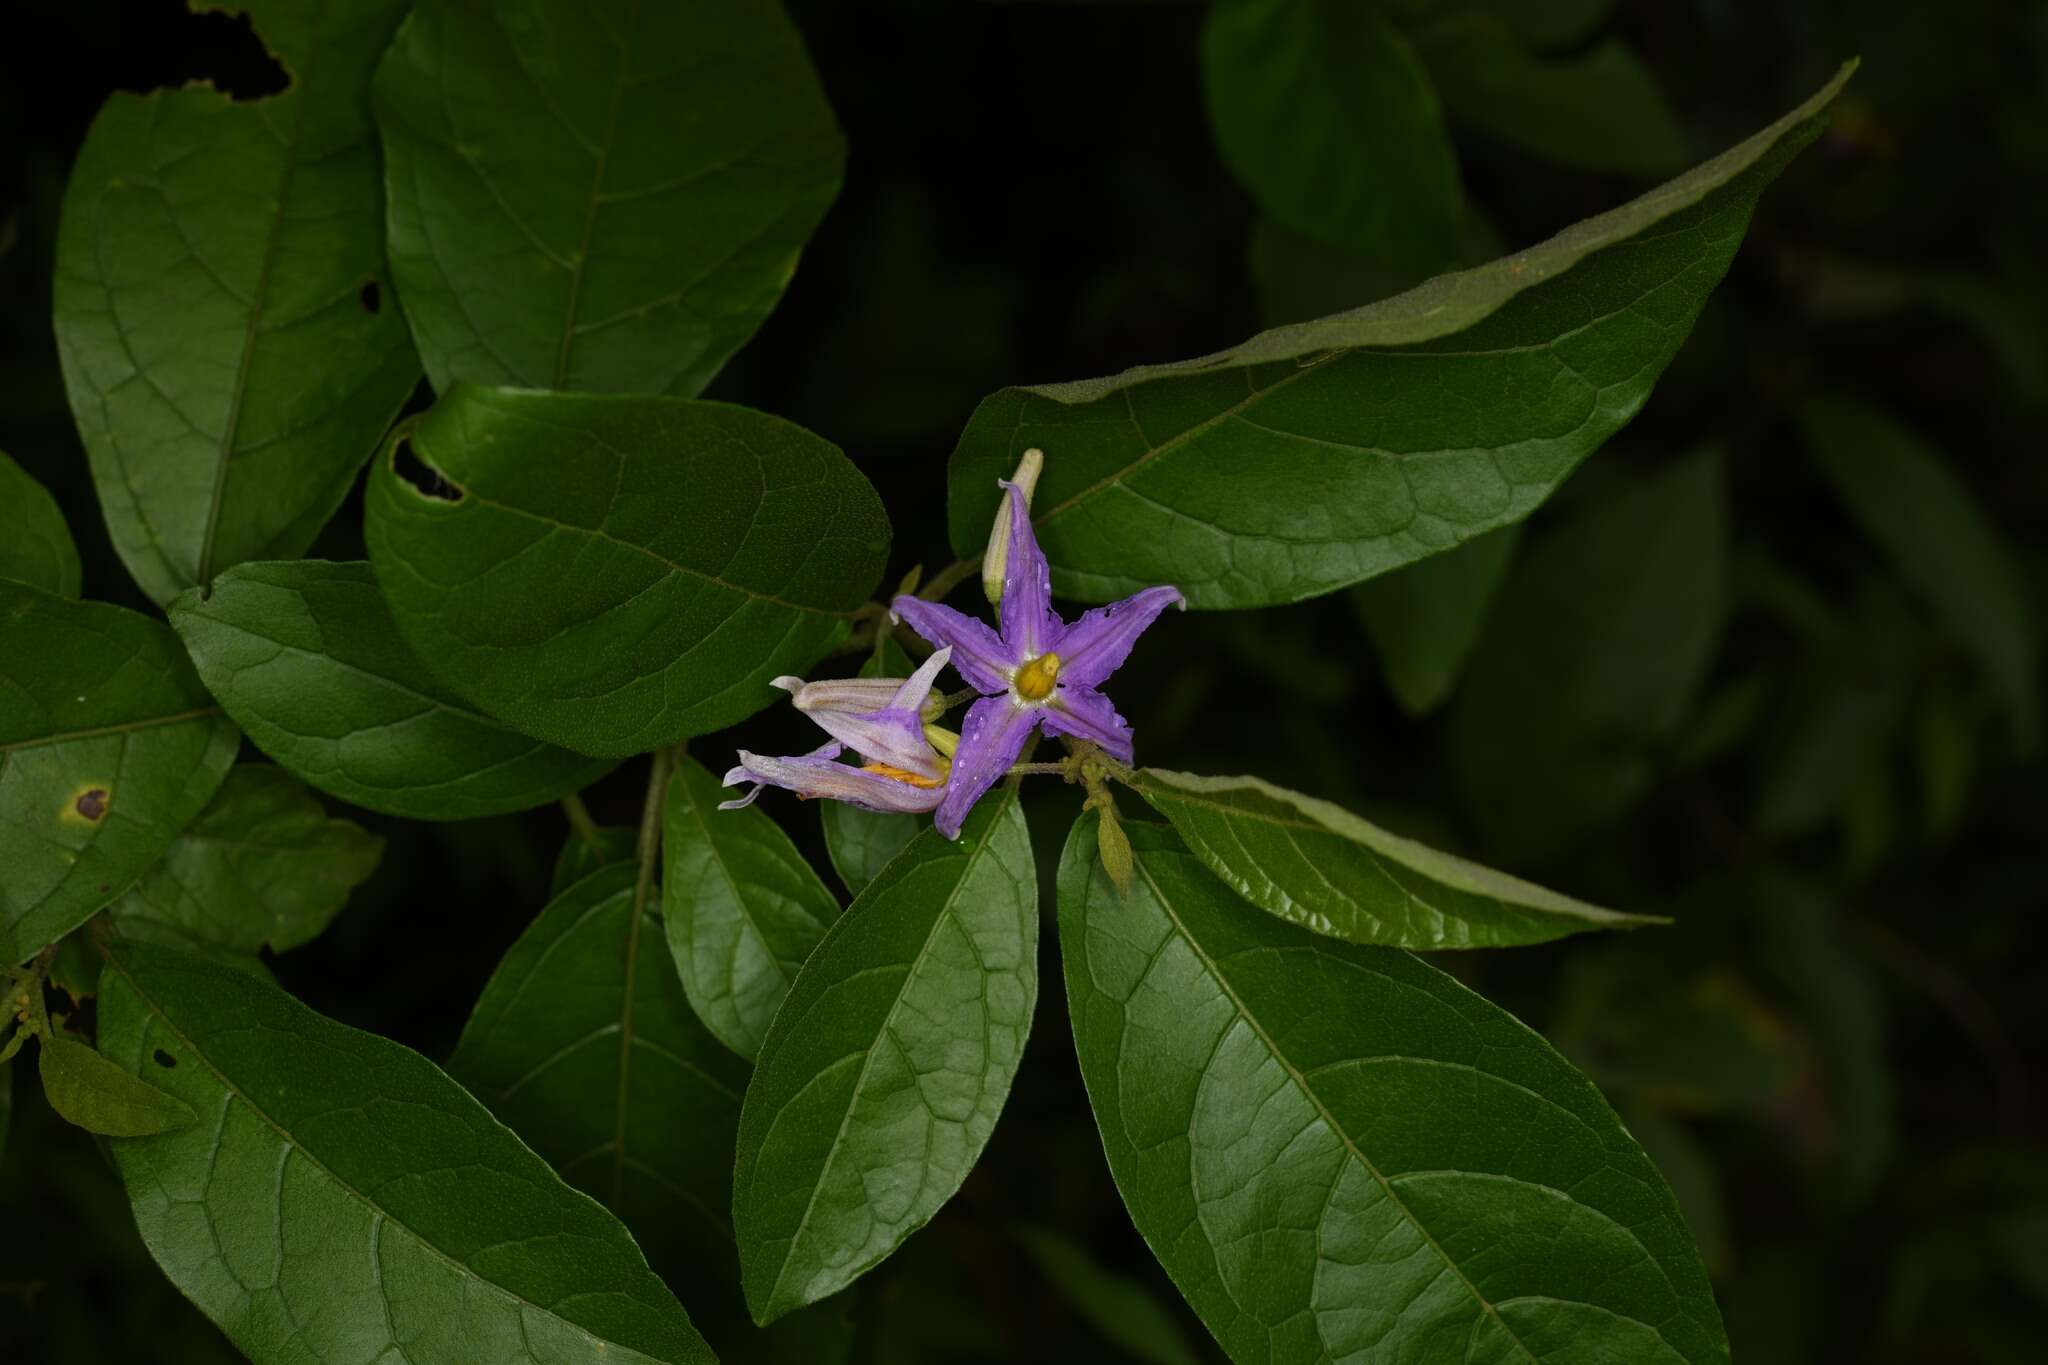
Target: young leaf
x,y
577,859
601,196
1123,1310
884,1071
221,303
262,866
1425,619
859,842
582,1044
1300,461
617,573
1319,866
743,908
342,1180
306,658
1340,1153
35,544
1944,544
108,747
90,1091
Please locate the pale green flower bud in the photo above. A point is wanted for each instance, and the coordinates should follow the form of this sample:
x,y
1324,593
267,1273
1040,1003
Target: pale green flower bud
x,y
997,558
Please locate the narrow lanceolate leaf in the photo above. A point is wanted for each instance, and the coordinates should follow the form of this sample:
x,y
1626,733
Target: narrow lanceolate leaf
x,y
90,1091
108,747
1339,1153
306,658
35,544
262,866
1319,866
1913,505
1300,462
884,1071
342,1181
859,842
743,908
582,1043
613,574
1425,618
229,343
599,194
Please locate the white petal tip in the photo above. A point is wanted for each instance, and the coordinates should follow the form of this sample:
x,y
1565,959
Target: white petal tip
x,y
787,683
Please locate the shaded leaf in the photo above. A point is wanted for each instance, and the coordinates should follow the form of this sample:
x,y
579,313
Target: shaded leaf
x,y
35,544
599,194
742,906
262,866
108,747
221,308
1340,1153
1319,866
306,658
1301,461
617,573
577,859
340,1179
1123,1310
859,842
884,1071
90,1091
1425,619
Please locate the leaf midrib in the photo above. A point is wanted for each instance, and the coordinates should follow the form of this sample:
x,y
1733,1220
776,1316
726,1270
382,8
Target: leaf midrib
x,y
604,152
126,727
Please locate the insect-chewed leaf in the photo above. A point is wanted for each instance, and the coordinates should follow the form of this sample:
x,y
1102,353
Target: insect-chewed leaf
x,y
35,544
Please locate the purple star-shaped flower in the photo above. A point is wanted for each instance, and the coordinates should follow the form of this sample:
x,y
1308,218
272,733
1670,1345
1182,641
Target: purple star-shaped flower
x,y
1038,671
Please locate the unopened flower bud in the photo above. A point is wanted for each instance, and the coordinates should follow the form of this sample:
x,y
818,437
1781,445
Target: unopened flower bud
x,y
997,559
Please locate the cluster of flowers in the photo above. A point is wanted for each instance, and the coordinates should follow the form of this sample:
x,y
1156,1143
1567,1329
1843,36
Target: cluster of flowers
x,y
1036,671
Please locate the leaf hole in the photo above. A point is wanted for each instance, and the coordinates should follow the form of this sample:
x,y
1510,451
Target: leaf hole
x,y
224,50
164,1059
421,477
372,297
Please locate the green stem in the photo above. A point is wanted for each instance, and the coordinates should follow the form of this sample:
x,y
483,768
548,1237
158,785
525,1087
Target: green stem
x,y
580,821
949,578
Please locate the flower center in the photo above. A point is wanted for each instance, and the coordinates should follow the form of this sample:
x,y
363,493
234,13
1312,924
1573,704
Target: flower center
x,y
1034,681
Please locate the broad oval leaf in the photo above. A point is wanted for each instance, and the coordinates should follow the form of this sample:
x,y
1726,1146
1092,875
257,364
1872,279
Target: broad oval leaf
x,y
742,906
306,658
108,747
341,1185
222,309
1319,866
1300,462
262,866
613,574
35,544
90,1091
884,1071
859,842
599,194
1339,1153
1424,619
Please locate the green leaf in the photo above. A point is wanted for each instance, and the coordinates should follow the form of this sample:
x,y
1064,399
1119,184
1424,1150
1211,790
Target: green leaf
x,y
1323,112
306,658
1592,657
35,544
222,310
90,1091
1123,1310
1339,1153
108,747
341,1180
1542,24
262,866
1907,500
1598,110
1317,455
601,196
1425,619
1319,866
884,1071
583,1044
577,859
859,842
617,573
744,910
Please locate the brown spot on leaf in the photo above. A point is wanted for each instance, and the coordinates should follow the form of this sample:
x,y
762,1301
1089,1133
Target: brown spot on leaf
x,y
91,803
165,1059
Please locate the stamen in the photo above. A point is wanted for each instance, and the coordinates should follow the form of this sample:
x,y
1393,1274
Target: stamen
x,y
898,775
1034,681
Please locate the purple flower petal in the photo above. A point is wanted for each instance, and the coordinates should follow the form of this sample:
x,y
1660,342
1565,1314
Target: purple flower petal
x,y
979,654
818,774
1029,627
1085,713
892,737
990,740
1097,644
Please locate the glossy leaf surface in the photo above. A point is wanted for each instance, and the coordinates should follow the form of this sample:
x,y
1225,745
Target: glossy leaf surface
x,y
222,309
1308,458
262,866
859,842
1425,619
743,908
616,573
90,1091
602,196
306,658
35,544
1319,866
108,747
342,1197
1339,1153
884,1071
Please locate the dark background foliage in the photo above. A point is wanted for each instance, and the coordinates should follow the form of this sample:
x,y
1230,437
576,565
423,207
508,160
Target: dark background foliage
x,y
1832,1054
